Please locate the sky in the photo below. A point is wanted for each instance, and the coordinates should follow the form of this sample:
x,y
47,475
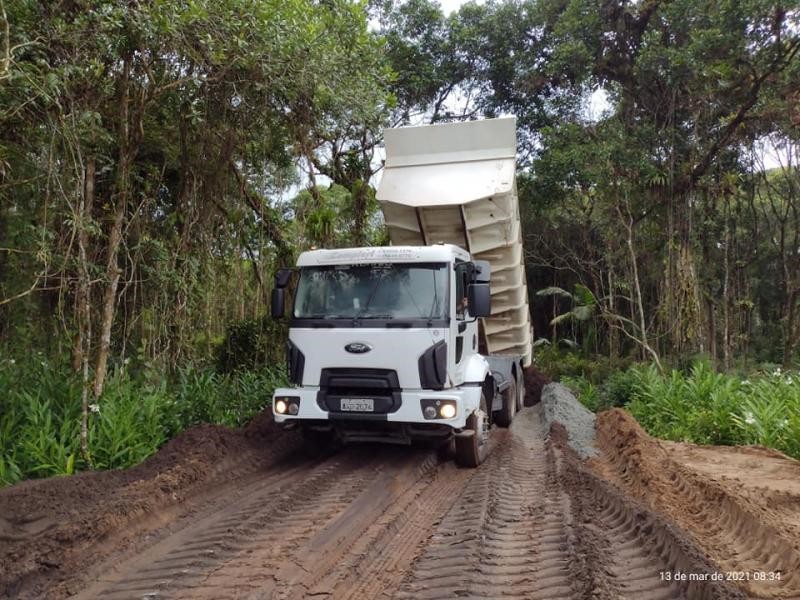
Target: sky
x,y
449,6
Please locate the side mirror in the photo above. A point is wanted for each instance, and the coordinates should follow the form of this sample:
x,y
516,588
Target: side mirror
x,y
278,307
480,299
278,302
282,277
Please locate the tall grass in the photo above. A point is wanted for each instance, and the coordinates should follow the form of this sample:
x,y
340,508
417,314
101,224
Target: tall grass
x,y
139,411
703,406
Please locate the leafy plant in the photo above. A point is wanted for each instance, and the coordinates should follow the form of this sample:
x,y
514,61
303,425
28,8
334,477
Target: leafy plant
x,y
706,407
137,413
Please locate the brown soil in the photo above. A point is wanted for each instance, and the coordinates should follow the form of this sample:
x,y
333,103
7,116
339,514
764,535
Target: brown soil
x,y
222,513
745,521
49,527
534,382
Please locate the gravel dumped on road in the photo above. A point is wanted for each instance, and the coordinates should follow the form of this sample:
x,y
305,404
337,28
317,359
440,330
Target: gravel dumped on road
x,y
560,406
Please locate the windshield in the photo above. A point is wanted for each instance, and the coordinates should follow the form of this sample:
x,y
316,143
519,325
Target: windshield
x,y
384,291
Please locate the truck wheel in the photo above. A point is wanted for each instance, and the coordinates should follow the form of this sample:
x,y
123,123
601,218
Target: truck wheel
x,y
520,392
472,450
506,414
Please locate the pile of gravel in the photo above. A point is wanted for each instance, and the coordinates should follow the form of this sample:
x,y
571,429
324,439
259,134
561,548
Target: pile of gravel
x,y
560,406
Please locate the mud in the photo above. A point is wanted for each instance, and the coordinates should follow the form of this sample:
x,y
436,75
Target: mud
x,y
534,383
737,528
49,527
222,513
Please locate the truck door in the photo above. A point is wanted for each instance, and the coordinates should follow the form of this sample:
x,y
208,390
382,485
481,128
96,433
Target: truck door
x,y
464,328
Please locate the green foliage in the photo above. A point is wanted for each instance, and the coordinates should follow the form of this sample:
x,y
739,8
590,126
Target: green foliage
x,y
557,364
696,407
706,407
616,390
703,406
40,414
252,344
586,391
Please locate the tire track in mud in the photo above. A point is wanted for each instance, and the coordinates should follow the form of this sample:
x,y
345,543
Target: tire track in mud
x,y
534,522
628,546
378,561
368,529
730,529
263,515
508,534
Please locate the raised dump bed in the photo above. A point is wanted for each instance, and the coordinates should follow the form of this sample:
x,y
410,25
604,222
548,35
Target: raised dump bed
x,y
455,183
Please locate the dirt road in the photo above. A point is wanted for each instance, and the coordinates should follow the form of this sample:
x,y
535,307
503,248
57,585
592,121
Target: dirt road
x,y
534,521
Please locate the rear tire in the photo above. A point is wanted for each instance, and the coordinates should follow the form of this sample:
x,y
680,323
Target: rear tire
x,y
520,392
472,451
506,414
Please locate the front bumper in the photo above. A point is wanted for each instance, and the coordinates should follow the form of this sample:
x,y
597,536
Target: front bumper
x,y
466,398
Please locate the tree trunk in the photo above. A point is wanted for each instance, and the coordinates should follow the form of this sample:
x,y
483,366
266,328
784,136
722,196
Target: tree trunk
x,y
124,163
726,300
360,201
613,338
83,304
628,223
110,296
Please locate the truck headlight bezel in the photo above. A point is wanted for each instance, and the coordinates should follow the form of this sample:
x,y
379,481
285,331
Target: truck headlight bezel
x,y
438,409
287,405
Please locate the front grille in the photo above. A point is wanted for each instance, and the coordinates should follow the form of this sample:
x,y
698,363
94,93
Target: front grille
x,y
380,385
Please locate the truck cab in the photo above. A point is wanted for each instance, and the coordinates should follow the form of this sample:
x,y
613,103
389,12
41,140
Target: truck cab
x,y
383,344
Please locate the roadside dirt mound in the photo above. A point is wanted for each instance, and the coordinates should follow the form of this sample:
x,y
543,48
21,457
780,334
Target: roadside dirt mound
x,y
750,543
48,527
534,382
771,480
628,545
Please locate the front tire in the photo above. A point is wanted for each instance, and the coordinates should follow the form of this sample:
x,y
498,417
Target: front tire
x,y
472,450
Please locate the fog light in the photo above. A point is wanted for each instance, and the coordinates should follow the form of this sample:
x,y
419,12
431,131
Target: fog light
x,y
293,408
280,407
429,412
447,411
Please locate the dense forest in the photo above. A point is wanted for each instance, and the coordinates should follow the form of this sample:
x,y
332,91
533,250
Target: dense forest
x,y
160,160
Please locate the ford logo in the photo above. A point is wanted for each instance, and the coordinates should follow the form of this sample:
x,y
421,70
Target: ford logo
x,y
358,348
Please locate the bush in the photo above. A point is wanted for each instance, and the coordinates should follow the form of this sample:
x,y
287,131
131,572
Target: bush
x,y
558,364
702,406
138,412
252,344
706,407
584,390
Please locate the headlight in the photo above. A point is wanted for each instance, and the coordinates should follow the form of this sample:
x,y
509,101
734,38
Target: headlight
x,y
287,405
447,411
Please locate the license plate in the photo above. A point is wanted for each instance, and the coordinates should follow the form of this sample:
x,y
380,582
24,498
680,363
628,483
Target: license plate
x,y
357,404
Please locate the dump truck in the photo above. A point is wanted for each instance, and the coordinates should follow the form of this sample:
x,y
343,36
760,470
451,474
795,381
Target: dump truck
x,y
427,338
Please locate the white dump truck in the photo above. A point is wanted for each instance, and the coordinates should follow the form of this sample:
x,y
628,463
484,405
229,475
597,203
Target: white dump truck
x,y
426,338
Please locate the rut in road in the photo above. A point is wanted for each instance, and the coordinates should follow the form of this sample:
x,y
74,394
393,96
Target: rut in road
x,y
509,532
532,522
264,515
